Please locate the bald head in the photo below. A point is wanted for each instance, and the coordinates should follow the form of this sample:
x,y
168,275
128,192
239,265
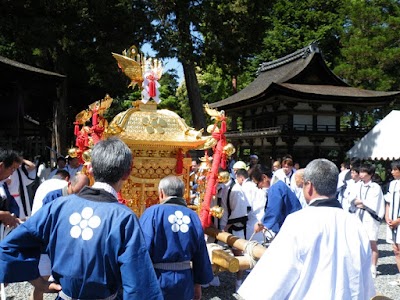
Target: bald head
x,y
298,177
78,182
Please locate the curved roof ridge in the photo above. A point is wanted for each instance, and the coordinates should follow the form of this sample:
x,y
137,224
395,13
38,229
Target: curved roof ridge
x,y
301,53
26,67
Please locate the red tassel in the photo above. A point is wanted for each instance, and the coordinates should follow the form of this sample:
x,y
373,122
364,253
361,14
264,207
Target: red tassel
x,y
223,161
94,118
76,128
86,140
223,126
214,190
179,162
152,88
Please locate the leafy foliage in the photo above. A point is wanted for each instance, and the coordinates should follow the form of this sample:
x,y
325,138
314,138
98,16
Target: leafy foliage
x,y
217,42
370,52
233,32
74,38
370,41
295,24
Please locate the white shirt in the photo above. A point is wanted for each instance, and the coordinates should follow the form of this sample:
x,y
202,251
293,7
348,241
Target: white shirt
x,y
13,187
288,179
45,188
392,198
341,178
371,195
319,253
256,214
350,193
43,172
105,186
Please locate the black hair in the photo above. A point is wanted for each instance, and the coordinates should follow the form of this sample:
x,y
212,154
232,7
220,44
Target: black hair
x,y
242,172
259,170
8,157
367,168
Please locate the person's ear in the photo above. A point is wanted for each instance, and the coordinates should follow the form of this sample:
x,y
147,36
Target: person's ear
x,y
307,188
161,194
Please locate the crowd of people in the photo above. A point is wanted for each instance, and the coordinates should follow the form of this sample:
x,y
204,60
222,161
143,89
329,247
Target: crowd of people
x,y
81,243
257,203
320,225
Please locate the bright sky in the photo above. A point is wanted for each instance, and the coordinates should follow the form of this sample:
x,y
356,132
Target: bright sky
x,y
171,63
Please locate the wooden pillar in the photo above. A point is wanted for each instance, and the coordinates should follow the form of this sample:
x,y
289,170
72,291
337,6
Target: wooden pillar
x,y
315,116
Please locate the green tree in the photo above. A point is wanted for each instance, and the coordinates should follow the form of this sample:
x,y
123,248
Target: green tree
x,y
74,38
168,89
232,33
370,52
371,45
295,24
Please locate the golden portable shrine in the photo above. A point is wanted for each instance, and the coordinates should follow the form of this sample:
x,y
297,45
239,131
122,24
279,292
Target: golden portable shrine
x,y
160,142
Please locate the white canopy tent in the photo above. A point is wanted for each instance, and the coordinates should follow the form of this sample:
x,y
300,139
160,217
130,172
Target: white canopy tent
x,y
382,142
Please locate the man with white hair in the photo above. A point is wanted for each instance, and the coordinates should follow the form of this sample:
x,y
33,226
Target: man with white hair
x,y
175,240
321,252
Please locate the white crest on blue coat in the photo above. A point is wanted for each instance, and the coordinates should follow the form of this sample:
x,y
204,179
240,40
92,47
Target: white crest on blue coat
x,y
179,221
83,224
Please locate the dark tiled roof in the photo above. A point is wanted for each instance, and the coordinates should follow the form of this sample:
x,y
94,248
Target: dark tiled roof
x,y
332,90
303,71
29,68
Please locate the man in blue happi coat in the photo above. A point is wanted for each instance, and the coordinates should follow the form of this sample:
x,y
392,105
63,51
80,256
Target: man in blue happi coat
x,y
281,201
175,239
95,244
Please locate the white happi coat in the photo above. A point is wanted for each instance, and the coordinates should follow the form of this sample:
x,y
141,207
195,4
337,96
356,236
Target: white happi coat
x,y
288,179
256,214
319,253
45,188
350,193
392,198
15,192
237,202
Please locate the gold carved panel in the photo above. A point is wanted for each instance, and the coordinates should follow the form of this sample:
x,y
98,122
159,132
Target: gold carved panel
x,y
141,189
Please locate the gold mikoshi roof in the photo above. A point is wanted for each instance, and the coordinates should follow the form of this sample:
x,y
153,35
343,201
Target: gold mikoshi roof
x,y
146,126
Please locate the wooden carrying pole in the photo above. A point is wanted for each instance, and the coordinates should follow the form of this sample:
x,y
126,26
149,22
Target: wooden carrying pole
x,y
234,241
225,260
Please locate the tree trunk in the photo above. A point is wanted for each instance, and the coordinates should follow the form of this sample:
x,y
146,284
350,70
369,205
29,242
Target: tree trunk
x,y
195,102
187,58
234,83
59,134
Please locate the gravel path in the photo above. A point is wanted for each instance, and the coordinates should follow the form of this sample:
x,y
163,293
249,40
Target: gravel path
x,y
386,265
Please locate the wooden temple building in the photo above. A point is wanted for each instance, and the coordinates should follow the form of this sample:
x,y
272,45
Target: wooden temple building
x,y
294,106
31,100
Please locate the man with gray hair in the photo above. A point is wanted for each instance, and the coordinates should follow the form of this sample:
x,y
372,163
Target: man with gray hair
x,y
321,251
95,244
175,240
